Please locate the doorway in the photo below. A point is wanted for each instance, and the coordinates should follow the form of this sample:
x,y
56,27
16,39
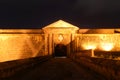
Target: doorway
x,y
60,50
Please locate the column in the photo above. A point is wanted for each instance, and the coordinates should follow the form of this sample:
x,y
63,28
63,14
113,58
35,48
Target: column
x,y
46,44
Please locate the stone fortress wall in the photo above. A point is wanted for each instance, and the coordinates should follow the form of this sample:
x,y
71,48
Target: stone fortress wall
x,y
15,44
26,43
100,42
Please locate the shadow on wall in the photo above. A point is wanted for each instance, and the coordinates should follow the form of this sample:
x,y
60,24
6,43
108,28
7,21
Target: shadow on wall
x,y
33,46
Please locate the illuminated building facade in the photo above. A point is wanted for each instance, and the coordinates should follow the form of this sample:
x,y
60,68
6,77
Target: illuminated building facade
x,y
26,43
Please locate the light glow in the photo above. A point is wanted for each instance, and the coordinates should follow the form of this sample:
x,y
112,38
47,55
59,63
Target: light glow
x,y
107,46
4,37
89,46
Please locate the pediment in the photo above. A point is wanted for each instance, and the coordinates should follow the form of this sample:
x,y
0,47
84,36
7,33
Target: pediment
x,y
60,24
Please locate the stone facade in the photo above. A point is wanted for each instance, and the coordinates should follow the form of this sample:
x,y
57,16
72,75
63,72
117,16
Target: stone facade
x,y
26,43
100,42
20,46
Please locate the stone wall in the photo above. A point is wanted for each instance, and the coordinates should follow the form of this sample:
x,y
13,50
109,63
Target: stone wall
x,y
62,39
20,46
96,31
102,42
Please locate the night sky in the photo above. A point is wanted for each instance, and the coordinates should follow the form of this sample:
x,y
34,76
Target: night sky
x,y
22,14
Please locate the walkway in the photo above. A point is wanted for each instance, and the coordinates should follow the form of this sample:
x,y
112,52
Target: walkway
x,y
58,69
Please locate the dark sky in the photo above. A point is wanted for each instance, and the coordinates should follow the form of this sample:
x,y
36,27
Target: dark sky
x,y
39,13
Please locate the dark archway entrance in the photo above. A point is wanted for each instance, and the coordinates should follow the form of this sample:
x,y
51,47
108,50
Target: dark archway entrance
x,y
60,50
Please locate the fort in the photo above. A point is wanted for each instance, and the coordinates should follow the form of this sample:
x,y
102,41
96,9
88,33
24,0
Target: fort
x,y
26,43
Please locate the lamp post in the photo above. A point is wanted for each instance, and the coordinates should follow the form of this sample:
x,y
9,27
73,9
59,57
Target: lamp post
x,y
92,51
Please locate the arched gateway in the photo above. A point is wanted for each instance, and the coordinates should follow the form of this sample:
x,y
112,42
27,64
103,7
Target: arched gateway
x,y
60,34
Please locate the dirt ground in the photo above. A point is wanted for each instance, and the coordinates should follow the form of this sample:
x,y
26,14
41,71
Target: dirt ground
x,y
58,69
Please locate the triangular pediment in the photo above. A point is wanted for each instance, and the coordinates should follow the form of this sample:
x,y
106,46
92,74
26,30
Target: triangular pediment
x,y
61,24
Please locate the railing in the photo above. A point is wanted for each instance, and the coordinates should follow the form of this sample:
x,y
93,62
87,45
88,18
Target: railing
x,y
110,69
10,68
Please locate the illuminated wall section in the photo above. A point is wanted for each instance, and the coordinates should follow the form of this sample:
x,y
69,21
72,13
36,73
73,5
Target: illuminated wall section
x,y
102,42
20,46
60,32
61,39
